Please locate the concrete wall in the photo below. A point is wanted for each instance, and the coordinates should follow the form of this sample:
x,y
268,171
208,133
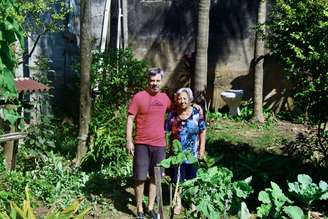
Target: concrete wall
x,y
162,32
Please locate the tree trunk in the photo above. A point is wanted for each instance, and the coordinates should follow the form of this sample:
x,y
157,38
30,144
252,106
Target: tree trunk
x,y
125,23
258,65
200,76
85,99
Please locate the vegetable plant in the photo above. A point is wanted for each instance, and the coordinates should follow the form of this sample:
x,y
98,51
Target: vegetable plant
x,y
214,193
307,192
177,158
276,204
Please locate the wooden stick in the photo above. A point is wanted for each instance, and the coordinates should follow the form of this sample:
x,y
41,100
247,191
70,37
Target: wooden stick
x,y
158,183
12,136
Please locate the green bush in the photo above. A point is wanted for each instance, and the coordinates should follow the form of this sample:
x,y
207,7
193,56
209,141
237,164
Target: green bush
x,y
116,76
214,193
297,36
276,204
51,182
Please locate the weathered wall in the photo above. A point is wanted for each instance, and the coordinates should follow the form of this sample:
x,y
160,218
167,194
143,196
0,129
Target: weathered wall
x,y
162,31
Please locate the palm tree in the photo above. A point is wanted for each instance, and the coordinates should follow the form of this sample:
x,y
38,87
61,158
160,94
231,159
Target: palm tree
x,y
258,62
85,99
200,76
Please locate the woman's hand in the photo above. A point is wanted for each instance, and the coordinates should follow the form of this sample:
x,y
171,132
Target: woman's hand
x,y
201,155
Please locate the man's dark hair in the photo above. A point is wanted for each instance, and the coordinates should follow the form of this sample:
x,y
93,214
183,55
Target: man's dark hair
x,y
155,71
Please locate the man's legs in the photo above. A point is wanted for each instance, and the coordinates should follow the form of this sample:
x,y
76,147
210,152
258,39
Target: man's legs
x,y
152,194
157,154
139,191
140,171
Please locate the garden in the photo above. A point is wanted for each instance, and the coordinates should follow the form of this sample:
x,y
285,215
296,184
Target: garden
x,y
271,169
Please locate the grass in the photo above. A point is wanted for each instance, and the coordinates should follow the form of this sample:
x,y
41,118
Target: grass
x,y
259,137
246,148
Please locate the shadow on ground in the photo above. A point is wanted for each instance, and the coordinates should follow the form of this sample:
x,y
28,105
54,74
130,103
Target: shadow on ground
x,y
242,159
116,190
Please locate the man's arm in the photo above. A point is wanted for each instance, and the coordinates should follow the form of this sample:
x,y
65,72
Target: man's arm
x,y
129,129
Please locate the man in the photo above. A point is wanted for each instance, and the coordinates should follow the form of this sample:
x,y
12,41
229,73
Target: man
x,y
147,109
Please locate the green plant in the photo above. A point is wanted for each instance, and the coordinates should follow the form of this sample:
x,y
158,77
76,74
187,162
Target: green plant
x,y
295,37
307,192
275,204
41,136
176,159
106,145
178,156
51,181
116,76
26,212
214,193
11,31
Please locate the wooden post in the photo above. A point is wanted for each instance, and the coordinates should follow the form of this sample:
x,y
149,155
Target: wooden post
x,y
158,182
9,151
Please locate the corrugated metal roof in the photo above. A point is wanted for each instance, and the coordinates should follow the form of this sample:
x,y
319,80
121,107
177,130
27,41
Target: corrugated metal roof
x,y
29,85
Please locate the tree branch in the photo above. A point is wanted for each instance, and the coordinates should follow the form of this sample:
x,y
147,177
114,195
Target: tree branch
x,y
33,48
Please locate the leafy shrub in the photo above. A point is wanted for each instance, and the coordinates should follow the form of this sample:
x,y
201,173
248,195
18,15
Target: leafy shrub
x,y
275,204
307,192
52,181
11,31
47,135
116,76
107,143
214,194
295,37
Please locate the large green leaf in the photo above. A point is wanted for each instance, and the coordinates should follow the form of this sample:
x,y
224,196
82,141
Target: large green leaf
x,y
242,189
7,82
264,197
9,115
294,212
166,163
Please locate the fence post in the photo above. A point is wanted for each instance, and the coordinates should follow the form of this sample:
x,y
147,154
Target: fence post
x,y
9,151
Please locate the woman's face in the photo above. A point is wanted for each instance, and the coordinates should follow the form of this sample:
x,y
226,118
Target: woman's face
x,y
183,100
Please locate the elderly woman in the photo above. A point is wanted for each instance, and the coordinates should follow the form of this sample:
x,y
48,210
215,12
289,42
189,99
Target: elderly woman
x,y
186,124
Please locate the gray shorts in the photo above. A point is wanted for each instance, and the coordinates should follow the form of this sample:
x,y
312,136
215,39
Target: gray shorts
x,y
146,157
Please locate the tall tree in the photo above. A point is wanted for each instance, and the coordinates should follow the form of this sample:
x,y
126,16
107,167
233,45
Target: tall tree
x,y
85,99
200,75
258,62
125,23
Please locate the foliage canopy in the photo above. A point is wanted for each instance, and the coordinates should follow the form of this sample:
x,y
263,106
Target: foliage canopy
x,y
298,37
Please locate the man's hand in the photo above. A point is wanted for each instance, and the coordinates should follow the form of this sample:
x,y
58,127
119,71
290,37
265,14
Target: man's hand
x,y
130,147
198,107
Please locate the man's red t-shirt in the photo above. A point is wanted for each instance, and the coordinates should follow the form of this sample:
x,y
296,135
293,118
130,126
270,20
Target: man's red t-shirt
x,y
149,111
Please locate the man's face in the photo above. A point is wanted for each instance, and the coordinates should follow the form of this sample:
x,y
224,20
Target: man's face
x,y
154,83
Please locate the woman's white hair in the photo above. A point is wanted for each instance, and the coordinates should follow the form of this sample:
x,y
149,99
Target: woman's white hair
x,y
187,90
